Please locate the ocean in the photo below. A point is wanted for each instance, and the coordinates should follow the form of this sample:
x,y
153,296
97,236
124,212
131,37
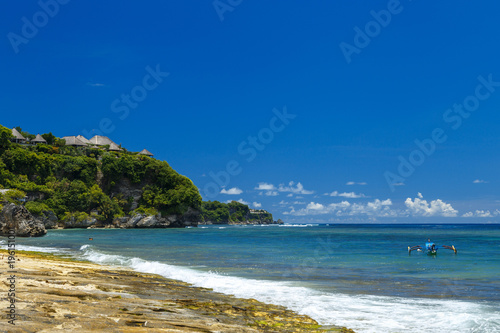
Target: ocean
x,y
358,276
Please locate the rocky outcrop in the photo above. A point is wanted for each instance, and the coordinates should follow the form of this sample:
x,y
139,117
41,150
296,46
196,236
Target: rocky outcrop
x,y
18,218
33,196
48,219
73,222
189,219
129,190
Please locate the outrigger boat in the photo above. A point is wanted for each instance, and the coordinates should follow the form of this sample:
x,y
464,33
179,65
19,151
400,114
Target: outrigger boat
x,y
431,248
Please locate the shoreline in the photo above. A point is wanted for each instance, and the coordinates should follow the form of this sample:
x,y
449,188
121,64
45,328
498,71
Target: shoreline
x,y
64,294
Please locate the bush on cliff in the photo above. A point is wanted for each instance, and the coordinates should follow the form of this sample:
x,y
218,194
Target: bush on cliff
x,y
14,196
215,211
5,136
78,216
36,208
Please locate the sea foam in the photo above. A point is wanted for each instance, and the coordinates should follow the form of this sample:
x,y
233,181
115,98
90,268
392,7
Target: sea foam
x,y
3,245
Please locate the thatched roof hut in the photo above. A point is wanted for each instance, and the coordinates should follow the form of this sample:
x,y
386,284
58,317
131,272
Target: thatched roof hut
x,y
114,147
74,141
83,139
18,138
146,152
39,139
100,140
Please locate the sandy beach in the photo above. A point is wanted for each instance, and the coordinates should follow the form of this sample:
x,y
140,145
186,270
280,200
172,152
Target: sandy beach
x,y
56,294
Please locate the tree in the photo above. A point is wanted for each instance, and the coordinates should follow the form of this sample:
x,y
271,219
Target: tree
x,y
15,196
59,142
5,136
50,138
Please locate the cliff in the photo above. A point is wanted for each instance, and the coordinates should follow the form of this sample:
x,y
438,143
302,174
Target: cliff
x,y
91,187
70,187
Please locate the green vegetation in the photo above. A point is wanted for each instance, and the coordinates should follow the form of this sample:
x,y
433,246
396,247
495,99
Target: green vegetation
x,y
14,196
146,211
215,212
50,138
36,207
218,212
78,216
75,182
5,136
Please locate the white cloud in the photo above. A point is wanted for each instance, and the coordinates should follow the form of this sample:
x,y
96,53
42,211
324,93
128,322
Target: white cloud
x,y
297,189
480,181
299,203
256,204
265,187
379,208
290,195
231,191
350,195
315,206
420,207
354,183
482,213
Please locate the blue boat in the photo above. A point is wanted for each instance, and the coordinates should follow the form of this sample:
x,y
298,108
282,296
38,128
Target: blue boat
x,y
431,248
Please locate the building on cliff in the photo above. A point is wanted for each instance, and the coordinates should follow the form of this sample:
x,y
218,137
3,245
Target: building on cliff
x,y
39,139
114,147
100,140
18,138
96,141
146,152
75,141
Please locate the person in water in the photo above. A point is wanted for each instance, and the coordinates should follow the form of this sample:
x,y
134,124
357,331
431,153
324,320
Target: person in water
x,y
430,246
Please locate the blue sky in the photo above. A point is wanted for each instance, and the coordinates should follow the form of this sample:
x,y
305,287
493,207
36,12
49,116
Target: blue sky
x,y
309,110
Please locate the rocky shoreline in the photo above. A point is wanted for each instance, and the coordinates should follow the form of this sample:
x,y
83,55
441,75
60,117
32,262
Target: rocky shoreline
x,y
18,218
54,293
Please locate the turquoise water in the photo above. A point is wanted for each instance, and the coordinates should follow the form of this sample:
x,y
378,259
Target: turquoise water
x,y
360,276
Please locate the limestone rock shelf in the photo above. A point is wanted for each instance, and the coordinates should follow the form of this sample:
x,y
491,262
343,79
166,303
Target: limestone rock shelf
x,y
56,294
